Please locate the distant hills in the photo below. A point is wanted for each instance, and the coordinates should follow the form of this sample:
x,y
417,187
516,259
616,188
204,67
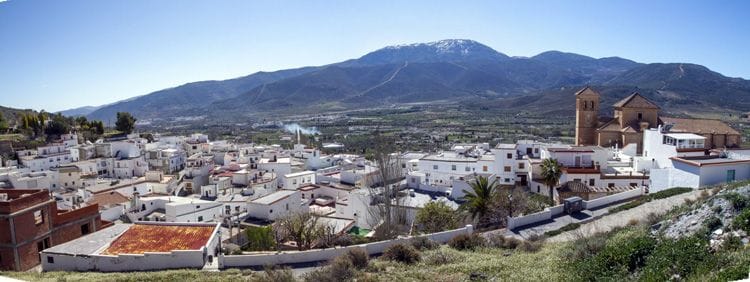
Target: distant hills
x,y
446,70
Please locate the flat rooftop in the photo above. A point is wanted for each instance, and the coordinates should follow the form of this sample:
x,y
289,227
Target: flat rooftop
x,y
274,197
712,160
90,243
143,238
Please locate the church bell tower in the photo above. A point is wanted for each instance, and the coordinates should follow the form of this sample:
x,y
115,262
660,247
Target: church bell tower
x,y
587,116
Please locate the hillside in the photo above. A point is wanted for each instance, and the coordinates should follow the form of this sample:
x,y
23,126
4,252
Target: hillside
x,y
13,115
446,70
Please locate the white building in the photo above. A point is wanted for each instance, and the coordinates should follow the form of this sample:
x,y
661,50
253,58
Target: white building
x,y
292,181
175,209
277,205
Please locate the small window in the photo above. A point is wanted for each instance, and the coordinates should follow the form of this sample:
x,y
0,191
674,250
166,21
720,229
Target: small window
x,y
435,167
591,182
453,167
287,206
468,169
85,229
611,185
510,155
633,184
507,168
507,180
200,218
38,217
484,168
640,116
50,259
521,165
197,207
270,211
577,180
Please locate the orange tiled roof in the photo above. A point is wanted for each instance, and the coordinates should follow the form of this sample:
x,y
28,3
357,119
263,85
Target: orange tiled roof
x,y
635,100
142,238
107,199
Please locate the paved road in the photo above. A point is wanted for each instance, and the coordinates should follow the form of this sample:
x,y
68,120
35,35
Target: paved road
x,y
640,213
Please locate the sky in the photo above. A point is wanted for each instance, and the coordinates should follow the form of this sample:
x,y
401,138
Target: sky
x,y
59,54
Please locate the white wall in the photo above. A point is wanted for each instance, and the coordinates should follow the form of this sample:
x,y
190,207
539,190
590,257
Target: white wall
x,y
330,253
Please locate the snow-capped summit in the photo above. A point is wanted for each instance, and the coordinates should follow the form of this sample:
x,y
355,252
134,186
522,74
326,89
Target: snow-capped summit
x,y
448,50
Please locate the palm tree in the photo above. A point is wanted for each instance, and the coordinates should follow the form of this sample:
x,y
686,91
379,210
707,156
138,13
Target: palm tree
x,y
478,201
551,172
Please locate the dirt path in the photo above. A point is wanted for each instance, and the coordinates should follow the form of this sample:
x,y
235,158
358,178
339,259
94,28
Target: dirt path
x,y
640,213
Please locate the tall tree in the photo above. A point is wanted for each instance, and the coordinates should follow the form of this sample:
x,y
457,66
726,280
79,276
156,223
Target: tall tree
x,y
303,228
551,173
125,122
478,201
386,208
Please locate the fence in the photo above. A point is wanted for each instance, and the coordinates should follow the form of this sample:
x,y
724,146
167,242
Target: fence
x,y
330,253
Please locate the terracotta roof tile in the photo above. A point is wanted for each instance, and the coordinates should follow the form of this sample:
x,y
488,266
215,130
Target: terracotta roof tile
x,y
699,126
142,238
635,100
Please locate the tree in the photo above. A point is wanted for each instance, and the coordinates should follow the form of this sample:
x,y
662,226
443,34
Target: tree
x,y
57,126
551,172
478,201
386,210
98,127
302,228
260,238
125,122
3,123
436,216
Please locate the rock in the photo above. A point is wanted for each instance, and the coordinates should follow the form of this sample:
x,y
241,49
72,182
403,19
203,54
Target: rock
x,y
718,231
694,222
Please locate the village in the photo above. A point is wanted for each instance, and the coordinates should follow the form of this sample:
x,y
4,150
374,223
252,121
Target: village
x,y
131,203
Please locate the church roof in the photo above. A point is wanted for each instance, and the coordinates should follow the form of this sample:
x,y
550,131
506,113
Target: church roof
x,y
611,125
587,90
635,100
699,126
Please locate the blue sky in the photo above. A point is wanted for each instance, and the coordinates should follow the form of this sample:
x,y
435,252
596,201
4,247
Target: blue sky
x,y
61,54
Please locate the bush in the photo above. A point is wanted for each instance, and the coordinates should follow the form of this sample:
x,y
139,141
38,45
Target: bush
x,y
676,257
569,227
530,246
344,240
500,241
738,201
424,243
621,254
278,274
668,193
402,253
436,216
742,221
732,243
358,257
260,238
440,257
467,242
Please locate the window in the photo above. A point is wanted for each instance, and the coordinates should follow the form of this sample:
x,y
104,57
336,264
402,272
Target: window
x,y
270,211
577,180
38,217
633,184
468,169
640,116
85,229
197,207
484,168
434,167
521,165
200,218
510,155
453,167
50,259
287,206
591,182
507,180
507,168
536,150
610,185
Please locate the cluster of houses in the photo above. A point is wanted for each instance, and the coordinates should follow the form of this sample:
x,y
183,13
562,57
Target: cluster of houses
x,y
98,206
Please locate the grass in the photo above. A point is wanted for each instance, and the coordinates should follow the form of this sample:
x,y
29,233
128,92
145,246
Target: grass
x,y
650,197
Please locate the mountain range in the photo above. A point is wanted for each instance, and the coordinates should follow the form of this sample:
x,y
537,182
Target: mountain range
x,y
447,70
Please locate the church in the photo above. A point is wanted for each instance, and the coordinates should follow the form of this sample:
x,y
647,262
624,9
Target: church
x,y
633,115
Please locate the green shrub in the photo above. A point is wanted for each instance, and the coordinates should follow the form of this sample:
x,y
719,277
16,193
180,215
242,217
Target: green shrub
x,y
569,227
278,274
340,269
679,257
738,201
668,193
402,253
436,216
467,242
424,243
621,254
260,238
732,243
742,221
